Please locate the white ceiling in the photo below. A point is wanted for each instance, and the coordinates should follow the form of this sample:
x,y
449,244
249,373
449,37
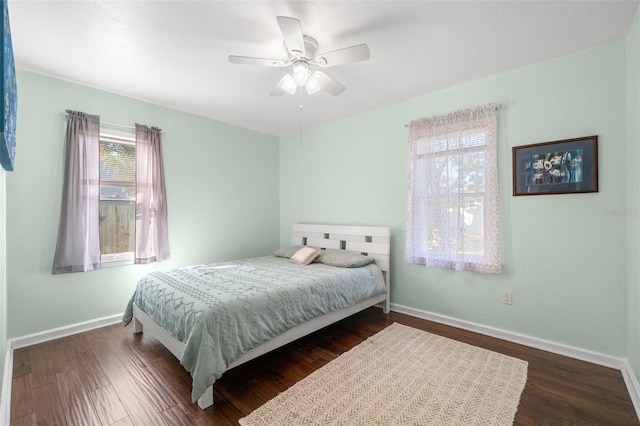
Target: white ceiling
x,y
174,53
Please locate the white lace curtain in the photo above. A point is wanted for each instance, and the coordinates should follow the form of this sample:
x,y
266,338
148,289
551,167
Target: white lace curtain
x,y
453,210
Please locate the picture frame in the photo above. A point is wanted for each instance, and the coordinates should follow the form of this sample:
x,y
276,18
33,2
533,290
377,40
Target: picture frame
x,y
8,94
559,167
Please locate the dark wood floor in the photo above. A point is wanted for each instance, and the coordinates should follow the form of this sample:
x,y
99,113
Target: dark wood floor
x,y
109,376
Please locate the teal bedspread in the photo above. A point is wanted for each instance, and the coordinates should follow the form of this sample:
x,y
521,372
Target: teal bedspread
x,y
223,310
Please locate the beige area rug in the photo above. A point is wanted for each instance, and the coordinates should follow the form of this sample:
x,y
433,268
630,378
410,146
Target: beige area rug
x,y
403,376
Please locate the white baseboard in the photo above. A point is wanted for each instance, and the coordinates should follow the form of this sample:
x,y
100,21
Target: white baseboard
x,y
582,354
632,385
545,345
56,333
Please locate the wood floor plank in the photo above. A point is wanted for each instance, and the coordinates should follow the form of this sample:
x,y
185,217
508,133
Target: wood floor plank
x,y
178,416
43,367
22,402
179,388
21,362
28,420
94,336
92,372
49,407
151,383
77,404
124,422
108,406
140,410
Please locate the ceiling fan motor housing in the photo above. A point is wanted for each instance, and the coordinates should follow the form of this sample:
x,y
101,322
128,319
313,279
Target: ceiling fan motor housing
x,y
310,46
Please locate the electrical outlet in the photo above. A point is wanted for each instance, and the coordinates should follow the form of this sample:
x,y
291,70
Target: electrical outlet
x,y
507,297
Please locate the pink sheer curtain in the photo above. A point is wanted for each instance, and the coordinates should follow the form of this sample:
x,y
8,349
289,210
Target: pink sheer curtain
x,y
78,245
453,211
152,235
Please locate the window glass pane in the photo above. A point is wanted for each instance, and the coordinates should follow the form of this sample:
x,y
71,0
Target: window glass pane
x,y
476,138
117,226
453,169
439,144
444,217
456,225
472,235
120,192
473,166
117,162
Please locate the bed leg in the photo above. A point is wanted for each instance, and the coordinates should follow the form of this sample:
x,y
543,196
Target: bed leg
x,y
137,326
206,400
386,306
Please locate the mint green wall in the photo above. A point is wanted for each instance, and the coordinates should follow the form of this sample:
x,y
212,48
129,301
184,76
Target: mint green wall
x,y
633,191
216,176
564,256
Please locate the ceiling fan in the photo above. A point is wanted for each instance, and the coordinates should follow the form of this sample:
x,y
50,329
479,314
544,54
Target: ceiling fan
x,y
302,55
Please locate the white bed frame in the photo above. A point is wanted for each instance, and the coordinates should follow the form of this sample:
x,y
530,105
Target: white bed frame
x,y
373,241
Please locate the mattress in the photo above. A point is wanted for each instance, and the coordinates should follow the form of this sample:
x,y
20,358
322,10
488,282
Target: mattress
x,y
223,310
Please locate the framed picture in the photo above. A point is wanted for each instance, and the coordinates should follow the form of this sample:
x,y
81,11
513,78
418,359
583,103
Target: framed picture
x,y
558,167
9,95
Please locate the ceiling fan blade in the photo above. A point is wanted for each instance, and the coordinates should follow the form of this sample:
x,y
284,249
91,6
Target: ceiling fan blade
x,y
328,83
355,53
257,61
293,37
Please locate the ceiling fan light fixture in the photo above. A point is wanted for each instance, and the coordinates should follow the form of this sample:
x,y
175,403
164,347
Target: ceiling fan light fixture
x,y
301,73
289,85
313,85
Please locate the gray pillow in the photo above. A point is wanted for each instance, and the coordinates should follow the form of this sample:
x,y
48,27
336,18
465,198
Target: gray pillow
x,y
287,251
344,259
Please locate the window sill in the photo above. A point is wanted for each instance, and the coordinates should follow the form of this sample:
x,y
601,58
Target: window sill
x,y
116,259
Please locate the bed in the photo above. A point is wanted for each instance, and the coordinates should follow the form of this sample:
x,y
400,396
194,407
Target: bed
x,y
200,314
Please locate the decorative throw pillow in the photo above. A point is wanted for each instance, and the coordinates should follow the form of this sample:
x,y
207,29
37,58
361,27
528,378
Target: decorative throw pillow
x,y
344,259
305,255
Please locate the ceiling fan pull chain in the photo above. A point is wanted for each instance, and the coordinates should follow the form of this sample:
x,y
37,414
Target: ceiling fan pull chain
x,y
301,107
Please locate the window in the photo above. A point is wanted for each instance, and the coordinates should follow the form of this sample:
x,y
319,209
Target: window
x,y
117,197
114,206
452,215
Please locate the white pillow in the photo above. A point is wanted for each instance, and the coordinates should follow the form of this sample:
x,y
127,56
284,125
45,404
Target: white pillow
x,y
305,255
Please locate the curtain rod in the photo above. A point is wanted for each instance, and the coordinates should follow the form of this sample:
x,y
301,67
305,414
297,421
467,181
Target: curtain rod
x,y
498,106
126,126
111,123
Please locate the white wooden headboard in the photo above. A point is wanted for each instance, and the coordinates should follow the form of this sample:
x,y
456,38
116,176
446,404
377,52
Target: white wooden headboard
x,y
373,241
